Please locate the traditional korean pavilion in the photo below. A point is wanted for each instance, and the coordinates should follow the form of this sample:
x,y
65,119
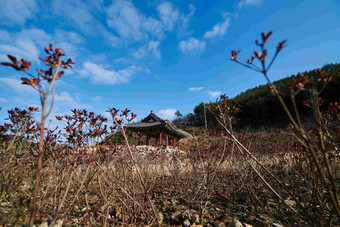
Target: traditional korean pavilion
x,y
162,130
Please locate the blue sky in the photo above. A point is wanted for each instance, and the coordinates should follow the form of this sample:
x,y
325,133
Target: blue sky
x,y
159,55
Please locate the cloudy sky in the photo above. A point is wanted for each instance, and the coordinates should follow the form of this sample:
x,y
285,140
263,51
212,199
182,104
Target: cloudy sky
x,y
159,55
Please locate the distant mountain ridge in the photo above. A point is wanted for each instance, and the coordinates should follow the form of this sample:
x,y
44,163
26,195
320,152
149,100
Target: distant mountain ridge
x,y
261,108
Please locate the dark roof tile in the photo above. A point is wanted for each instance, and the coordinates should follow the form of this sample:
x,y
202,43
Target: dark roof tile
x,y
153,121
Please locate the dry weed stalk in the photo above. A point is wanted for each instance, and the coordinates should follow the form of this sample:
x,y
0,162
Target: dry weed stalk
x,y
118,120
49,76
311,85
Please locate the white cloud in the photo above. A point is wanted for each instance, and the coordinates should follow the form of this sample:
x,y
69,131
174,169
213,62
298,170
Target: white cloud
x,y
152,49
172,18
168,14
23,48
96,4
75,12
246,3
213,94
195,89
80,15
98,74
134,26
25,44
130,24
17,12
62,100
71,42
96,98
16,85
71,51
167,113
218,30
3,100
29,43
65,99
186,19
192,46
4,36
68,36
38,36
109,38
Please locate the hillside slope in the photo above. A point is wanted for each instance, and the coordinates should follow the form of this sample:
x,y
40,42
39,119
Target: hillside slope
x,y
261,108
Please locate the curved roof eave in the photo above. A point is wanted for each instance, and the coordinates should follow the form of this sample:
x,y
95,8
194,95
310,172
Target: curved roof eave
x,y
157,123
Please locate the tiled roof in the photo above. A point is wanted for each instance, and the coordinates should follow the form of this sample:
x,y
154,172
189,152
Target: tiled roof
x,y
153,121
145,124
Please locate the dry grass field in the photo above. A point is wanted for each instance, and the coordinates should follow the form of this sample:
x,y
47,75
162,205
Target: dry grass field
x,y
281,177
206,182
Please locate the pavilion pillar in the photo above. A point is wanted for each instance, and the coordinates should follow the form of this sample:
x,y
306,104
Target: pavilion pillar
x,y
178,144
174,143
160,138
139,138
166,140
149,138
